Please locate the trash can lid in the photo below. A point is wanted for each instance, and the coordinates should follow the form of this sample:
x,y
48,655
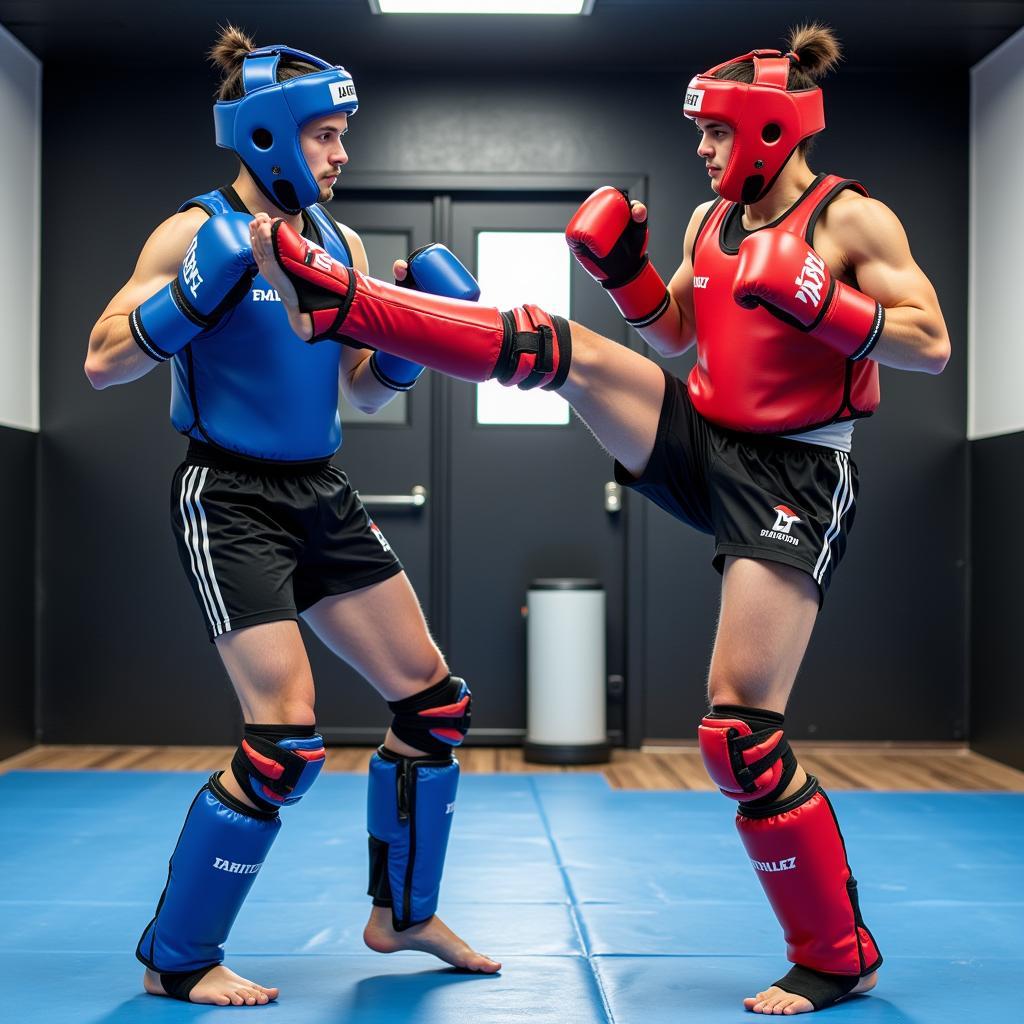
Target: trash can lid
x,y
566,584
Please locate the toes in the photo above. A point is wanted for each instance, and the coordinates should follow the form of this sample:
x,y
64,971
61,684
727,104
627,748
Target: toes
x,y
756,1004
479,962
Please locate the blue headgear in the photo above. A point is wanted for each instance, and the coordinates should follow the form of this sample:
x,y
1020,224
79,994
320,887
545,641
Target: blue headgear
x,y
263,126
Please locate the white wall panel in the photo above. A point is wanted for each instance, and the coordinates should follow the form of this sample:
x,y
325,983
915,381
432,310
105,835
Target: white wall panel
x,y
20,109
995,403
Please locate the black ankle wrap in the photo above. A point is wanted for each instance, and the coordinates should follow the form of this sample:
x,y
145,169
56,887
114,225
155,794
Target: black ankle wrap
x,y
179,984
819,988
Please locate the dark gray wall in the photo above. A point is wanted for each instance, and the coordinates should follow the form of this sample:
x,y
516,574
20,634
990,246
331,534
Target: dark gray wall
x,y
18,451
120,624
997,567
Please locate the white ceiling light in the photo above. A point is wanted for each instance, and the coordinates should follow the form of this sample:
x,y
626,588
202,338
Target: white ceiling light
x,y
481,6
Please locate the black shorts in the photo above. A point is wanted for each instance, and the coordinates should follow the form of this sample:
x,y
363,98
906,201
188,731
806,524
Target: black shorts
x,y
263,542
761,496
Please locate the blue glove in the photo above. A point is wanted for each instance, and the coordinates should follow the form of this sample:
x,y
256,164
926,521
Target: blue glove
x,y
216,272
436,270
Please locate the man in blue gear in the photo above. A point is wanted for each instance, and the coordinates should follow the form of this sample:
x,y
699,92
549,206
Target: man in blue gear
x,y
268,529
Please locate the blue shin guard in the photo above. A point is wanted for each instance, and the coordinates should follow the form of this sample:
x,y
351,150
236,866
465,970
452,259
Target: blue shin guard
x,y
409,815
221,849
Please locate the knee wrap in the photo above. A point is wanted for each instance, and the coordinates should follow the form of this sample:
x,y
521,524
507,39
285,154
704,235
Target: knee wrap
x,y
410,802
746,753
219,852
276,764
799,856
436,719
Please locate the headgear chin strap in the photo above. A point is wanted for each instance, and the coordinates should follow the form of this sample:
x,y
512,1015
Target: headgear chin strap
x,y
768,120
262,127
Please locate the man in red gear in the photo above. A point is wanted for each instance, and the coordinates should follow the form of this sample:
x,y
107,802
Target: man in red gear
x,y
794,287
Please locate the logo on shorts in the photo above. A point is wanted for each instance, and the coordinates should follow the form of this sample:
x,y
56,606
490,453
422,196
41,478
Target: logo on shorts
x,y
701,282
786,864
380,536
265,295
785,520
235,869
811,280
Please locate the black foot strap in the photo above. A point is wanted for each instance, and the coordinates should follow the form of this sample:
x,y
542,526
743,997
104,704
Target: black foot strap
x,y
179,985
819,988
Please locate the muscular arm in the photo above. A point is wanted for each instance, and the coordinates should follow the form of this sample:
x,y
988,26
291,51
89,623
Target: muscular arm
x,y
674,332
113,356
877,253
358,383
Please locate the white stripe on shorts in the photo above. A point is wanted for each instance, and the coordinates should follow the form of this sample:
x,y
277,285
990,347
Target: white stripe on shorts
x,y
842,501
197,541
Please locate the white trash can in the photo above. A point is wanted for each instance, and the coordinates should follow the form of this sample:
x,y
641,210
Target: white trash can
x,y
565,673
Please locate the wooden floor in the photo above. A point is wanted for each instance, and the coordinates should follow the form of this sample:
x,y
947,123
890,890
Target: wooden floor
x,y
837,765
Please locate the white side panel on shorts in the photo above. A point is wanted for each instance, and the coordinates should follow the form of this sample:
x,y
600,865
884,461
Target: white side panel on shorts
x,y
21,101
995,390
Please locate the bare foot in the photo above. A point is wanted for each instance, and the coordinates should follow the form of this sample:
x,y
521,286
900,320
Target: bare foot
x,y
220,987
433,936
777,1000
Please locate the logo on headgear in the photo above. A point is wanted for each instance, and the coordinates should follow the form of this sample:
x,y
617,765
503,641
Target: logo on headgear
x,y
343,92
694,98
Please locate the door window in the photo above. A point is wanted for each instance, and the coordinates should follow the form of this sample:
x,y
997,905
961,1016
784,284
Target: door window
x,y
514,267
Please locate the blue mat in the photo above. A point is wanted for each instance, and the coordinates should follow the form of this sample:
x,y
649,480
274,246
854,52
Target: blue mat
x,y
604,906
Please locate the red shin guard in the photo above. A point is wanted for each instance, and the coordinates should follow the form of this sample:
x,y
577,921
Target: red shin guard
x,y
525,347
797,850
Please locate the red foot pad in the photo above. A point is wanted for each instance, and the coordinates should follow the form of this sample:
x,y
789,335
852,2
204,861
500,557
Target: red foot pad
x,y
525,347
800,860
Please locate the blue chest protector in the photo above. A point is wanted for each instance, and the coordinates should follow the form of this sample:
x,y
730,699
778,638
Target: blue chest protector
x,y
249,385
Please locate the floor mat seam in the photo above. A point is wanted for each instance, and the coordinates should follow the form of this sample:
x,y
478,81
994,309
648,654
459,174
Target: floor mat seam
x,y
574,905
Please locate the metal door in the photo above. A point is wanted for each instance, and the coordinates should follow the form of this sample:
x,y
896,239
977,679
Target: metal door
x,y
524,502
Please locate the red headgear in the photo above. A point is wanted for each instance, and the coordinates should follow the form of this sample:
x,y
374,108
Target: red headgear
x,y
768,120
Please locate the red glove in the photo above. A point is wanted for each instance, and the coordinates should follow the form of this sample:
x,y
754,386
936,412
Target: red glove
x,y
781,272
612,248
524,347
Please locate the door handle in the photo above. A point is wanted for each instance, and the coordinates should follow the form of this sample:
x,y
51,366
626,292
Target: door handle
x,y
416,498
612,497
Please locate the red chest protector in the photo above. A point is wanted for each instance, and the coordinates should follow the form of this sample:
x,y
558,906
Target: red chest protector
x,y
755,373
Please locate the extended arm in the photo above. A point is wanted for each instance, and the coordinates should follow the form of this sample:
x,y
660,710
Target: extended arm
x,y
608,236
